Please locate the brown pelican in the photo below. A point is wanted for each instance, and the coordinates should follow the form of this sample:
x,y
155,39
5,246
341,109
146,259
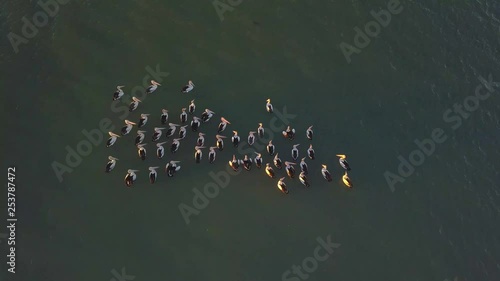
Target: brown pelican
x,y
191,107
201,139
309,133
270,148
207,115
112,139
184,116
157,134
111,164
290,170
127,128
195,124
140,137
222,125
269,106
153,87
164,116
119,93
269,170
171,129
303,179
260,131
303,166
130,177
134,104
277,162
251,138
160,150
172,167
258,160
310,152
152,174
198,154
247,163
211,154
295,152
175,145
343,162
182,132
282,186
143,120
234,164
235,139
141,151
186,89
289,133
347,181
326,174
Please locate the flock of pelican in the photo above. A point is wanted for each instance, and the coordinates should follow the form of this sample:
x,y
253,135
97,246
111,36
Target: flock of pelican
x,y
171,128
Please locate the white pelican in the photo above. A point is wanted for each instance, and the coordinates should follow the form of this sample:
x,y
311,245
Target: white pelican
x,y
141,151
220,142
310,152
234,164
290,170
295,152
130,177
172,167
309,132
303,166
127,128
195,123
235,139
171,129
270,148
211,154
186,89
289,133
343,162
157,134
269,170
201,139
198,154
269,106
303,179
282,186
182,132
119,93
160,150
153,174
111,164
247,163
143,120
140,137
175,145
222,125
112,139
258,160
184,116
347,181
206,115
326,174
251,138
164,116
153,87
191,107
134,104
260,130
277,162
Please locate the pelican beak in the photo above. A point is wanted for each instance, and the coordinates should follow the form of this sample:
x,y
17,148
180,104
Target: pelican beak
x,y
341,155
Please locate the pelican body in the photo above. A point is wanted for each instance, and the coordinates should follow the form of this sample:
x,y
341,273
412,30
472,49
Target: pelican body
x,y
207,115
290,170
347,181
164,116
141,151
184,116
200,141
235,139
127,128
234,164
119,93
270,171
303,166
198,154
326,174
130,177
282,186
247,163
222,125
295,152
195,124
269,106
289,133
188,88
303,179
212,154
251,138
154,85
140,137
260,131
111,164
220,142
277,162
310,152
258,160
134,104
171,129
112,139
157,134
171,168
175,145
343,162
270,148
192,107
160,150
152,174
309,133
182,132
143,120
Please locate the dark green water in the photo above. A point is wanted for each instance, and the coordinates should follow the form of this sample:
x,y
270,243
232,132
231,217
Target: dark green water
x,y
440,223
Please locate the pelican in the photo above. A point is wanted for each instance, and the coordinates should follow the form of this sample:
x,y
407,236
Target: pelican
x,y
182,132
270,148
282,186
211,154
160,150
112,139
258,160
195,124
269,170
143,120
309,132
290,170
184,116
347,181
220,142
134,104
234,164
289,133
269,106
326,174
207,115
222,125
111,164
251,138
235,139
310,152
303,166
171,129
119,93
277,162
343,162
247,163
303,179
175,145
153,87
198,154
142,151
186,89
201,139
140,137
191,107
260,130
152,174
164,116
295,152
127,128
172,167
157,134
130,177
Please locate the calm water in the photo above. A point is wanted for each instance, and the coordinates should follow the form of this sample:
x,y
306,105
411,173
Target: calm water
x,y
440,223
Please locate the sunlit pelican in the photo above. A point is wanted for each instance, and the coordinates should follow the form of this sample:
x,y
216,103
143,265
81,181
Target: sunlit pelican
x,y
258,160
140,137
141,151
164,116
347,181
130,177
207,115
270,148
201,139
303,166
171,129
234,164
343,162
153,87
247,163
175,145
186,89
220,142
290,170
198,154
119,93
184,116
152,174
222,125
277,162
326,174
303,179
192,107
295,152
310,152
182,132
282,186
211,154
289,133
157,134
127,128
134,104
172,167
269,170
143,120
195,124
260,131
251,138
309,132
112,139
111,164
269,106
160,150
235,139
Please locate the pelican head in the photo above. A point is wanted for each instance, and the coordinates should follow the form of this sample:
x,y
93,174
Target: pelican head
x,y
196,118
213,147
153,82
310,128
224,120
311,146
258,154
283,178
209,111
190,83
260,124
295,145
184,126
304,159
111,134
342,156
153,168
132,171
119,87
235,133
198,147
172,125
157,128
160,144
112,158
324,166
177,140
276,156
201,134
136,99
345,174
270,142
174,162
268,100
192,101
129,122
252,132
220,137
141,145
144,115
164,111
183,109
290,163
